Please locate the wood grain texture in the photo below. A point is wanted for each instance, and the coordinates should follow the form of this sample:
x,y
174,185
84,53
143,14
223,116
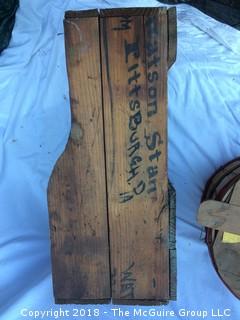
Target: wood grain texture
x,y
220,216
81,14
108,194
172,36
134,78
77,189
136,11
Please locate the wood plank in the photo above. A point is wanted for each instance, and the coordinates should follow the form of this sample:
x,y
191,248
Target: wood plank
x,y
220,216
172,36
135,11
77,190
81,14
134,77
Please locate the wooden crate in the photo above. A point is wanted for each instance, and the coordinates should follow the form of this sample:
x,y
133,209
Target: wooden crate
x,y
108,194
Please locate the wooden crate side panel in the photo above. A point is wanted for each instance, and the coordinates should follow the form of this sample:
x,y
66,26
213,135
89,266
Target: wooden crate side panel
x,y
77,190
135,137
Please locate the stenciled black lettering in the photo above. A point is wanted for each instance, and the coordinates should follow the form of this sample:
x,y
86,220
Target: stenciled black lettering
x,y
152,108
135,90
152,92
135,120
152,26
152,186
155,155
153,140
125,197
133,148
139,188
132,55
152,76
127,283
125,23
133,138
131,48
152,171
134,77
154,62
151,48
134,166
133,173
134,104
133,67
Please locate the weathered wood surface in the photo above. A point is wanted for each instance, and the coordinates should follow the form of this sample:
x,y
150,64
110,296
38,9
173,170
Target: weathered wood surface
x,y
220,216
172,36
120,82
135,121
77,190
